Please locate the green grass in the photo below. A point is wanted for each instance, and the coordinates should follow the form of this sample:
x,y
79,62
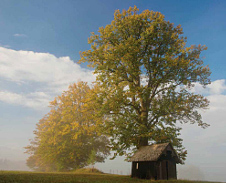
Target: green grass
x,y
81,177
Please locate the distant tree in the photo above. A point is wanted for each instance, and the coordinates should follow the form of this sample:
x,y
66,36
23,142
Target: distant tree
x,y
92,159
68,136
145,75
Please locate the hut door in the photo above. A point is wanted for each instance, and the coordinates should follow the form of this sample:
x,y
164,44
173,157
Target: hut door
x,y
164,170
172,173
167,170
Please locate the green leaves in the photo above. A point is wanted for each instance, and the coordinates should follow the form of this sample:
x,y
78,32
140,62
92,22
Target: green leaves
x,y
145,74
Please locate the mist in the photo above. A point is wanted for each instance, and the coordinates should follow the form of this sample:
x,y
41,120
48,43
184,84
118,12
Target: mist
x,y
6,164
15,159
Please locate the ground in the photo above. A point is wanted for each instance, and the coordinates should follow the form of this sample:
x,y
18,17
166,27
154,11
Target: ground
x,y
74,177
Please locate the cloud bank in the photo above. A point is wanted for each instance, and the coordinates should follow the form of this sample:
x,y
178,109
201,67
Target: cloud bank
x,y
37,77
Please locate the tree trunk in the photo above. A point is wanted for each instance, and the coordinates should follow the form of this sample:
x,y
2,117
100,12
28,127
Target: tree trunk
x,y
143,141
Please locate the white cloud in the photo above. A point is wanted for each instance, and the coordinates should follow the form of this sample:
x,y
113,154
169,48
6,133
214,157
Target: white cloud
x,y
10,97
42,76
20,35
36,100
217,102
215,88
40,67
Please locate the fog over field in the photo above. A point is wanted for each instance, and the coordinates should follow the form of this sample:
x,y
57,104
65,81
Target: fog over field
x,y
118,166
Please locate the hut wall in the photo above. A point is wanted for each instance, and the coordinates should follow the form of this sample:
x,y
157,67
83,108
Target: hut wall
x,y
144,170
166,167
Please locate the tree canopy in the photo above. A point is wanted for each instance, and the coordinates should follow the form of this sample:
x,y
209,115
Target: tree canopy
x,y
145,75
67,137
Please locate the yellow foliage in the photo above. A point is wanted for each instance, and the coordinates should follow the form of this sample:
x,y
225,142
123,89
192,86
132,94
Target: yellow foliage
x,y
67,135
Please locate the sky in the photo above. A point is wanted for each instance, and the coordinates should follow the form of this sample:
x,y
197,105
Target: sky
x,y
40,43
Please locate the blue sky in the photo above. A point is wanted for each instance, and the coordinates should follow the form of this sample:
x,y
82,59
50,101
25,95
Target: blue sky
x,y
62,27
39,49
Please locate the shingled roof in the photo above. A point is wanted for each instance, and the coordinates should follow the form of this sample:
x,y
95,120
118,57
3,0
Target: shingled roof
x,y
152,153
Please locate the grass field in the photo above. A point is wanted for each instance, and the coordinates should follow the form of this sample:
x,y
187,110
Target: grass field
x,y
34,177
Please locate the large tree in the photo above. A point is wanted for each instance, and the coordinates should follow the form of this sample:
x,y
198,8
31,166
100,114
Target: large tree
x,y
67,137
146,74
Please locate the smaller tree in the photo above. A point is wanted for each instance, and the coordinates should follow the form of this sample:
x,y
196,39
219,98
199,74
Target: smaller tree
x,y
67,136
92,159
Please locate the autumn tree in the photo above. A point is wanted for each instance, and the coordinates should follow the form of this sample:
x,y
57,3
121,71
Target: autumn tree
x,y
146,74
68,136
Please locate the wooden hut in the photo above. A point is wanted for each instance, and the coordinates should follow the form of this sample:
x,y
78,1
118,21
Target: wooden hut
x,y
157,161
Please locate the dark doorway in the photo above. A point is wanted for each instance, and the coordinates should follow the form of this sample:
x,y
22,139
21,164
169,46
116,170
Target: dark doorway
x,y
167,171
